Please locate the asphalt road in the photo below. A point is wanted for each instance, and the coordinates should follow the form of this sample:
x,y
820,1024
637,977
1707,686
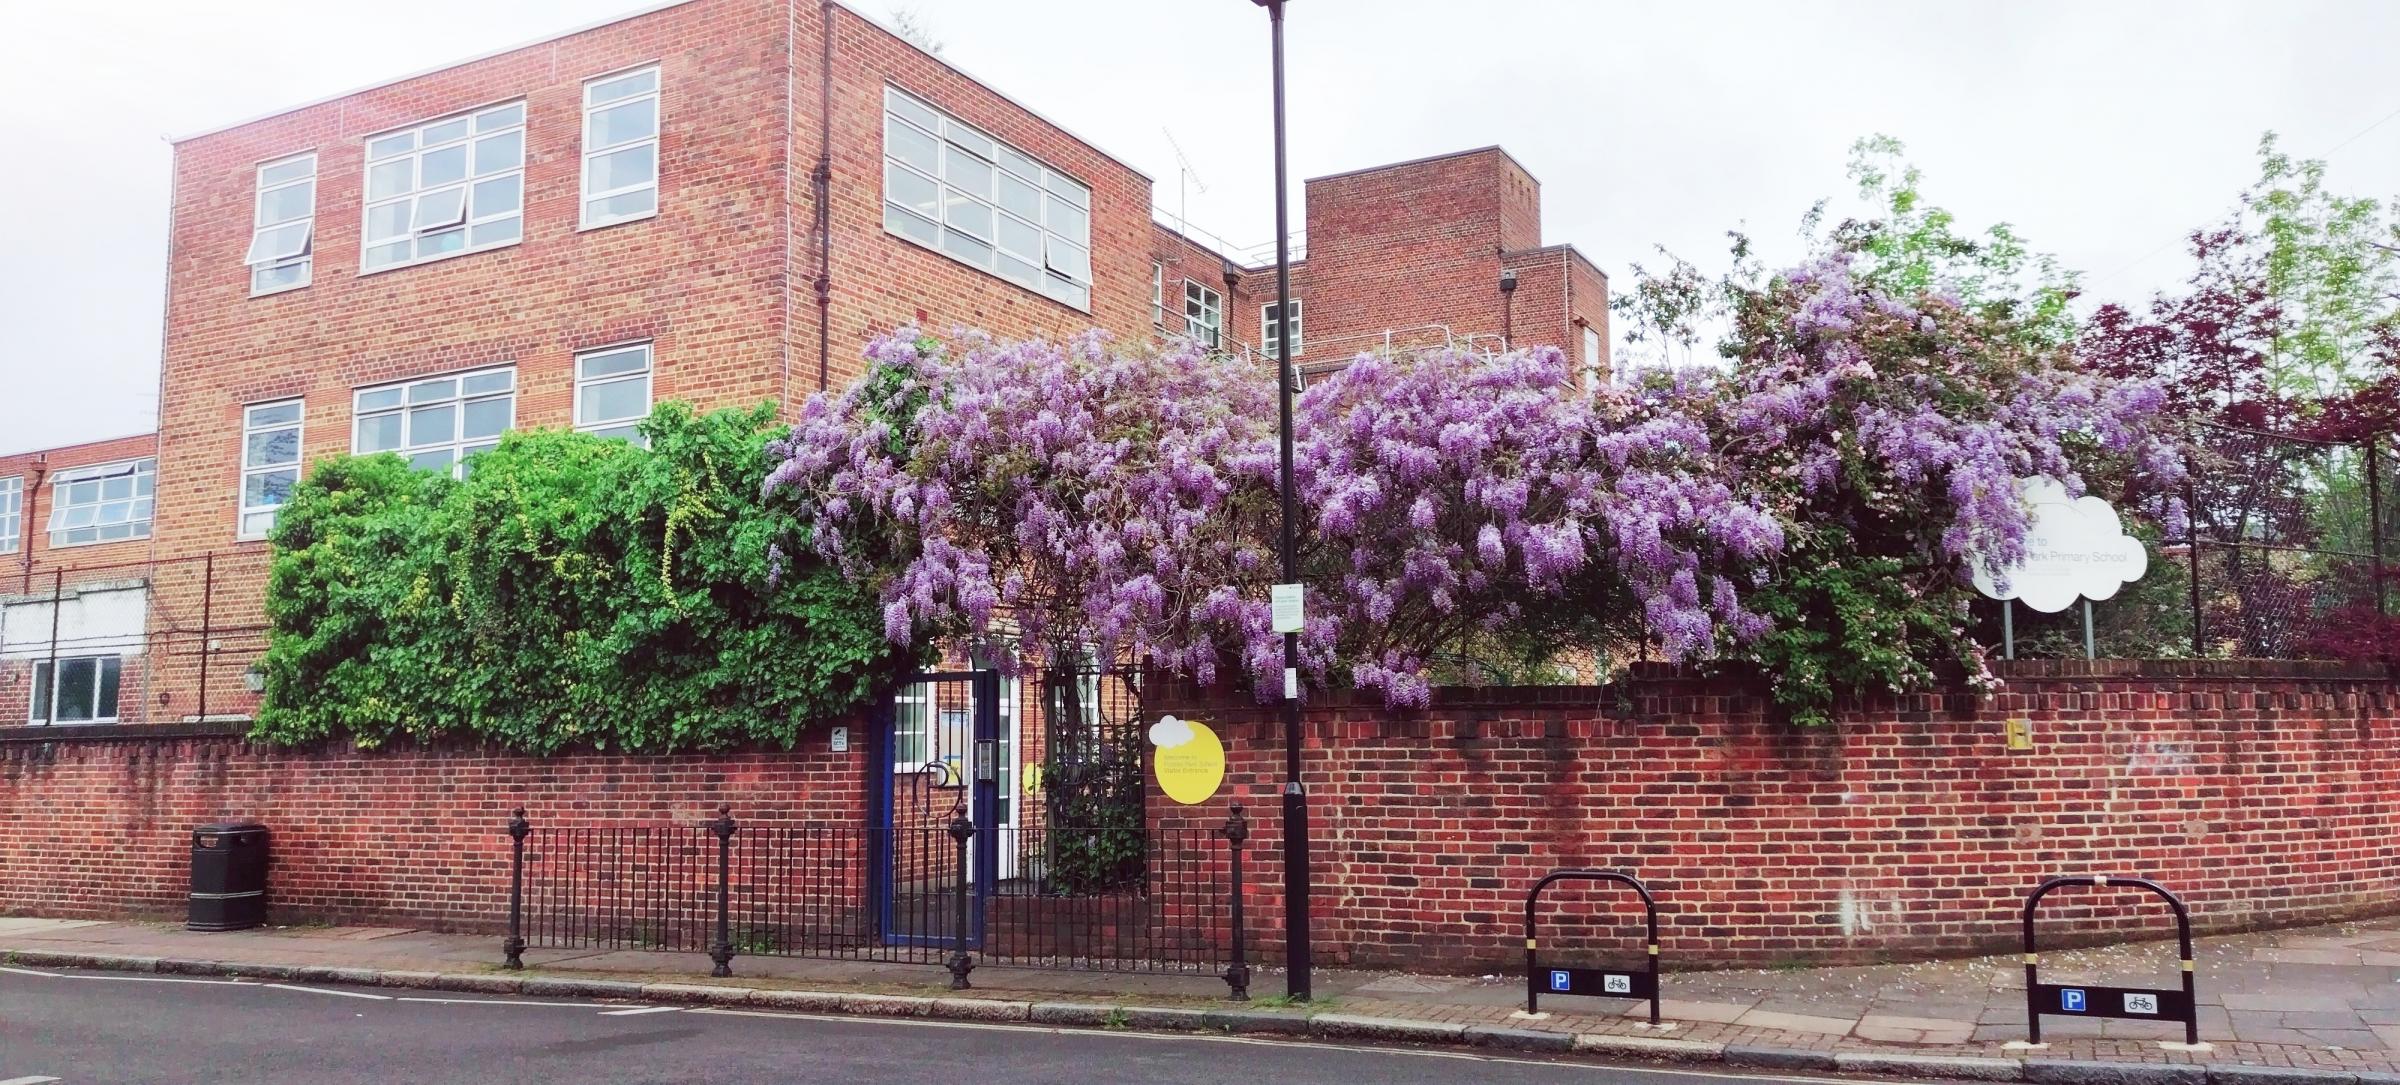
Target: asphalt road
x,y
85,1028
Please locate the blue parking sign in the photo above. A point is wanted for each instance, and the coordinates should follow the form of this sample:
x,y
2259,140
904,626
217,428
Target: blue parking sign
x,y
1560,981
2070,1000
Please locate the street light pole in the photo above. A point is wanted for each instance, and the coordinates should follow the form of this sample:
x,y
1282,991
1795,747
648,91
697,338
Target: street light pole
x,y
1296,873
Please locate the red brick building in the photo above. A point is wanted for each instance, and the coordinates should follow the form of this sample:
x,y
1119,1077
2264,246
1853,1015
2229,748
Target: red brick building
x,y
717,201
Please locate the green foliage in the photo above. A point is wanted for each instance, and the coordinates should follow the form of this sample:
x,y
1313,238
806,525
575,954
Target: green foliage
x,y
572,592
1846,622
2332,268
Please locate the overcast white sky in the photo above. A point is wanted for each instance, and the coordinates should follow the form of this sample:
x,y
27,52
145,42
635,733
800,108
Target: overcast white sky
x,y
2103,130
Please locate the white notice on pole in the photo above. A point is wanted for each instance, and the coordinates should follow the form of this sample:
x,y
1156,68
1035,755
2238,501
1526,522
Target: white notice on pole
x,y
1291,683
1287,607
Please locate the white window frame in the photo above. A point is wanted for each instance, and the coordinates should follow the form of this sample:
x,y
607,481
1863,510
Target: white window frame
x,y
284,257
367,403
1048,202
647,374
12,513
144,472
1591,357
44,687
252,427
1270,330
483,124
1208,324
1158,294
658,120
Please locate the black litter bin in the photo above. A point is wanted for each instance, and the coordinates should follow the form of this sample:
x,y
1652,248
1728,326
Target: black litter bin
x,y
229,877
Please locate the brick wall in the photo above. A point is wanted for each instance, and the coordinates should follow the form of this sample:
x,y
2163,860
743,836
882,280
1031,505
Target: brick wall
x,y
2265,796
21,569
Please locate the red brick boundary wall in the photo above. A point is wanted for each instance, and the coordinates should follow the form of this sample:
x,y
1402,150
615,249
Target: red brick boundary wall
x,y
2267,794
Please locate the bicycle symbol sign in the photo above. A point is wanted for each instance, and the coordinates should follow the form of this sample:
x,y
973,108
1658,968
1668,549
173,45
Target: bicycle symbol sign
x,y
1617,984
2141,1004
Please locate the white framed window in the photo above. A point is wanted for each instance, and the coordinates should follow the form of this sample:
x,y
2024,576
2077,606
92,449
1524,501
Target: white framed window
x,y
620,148
953,189
1591,357
446,187
1270,328
102,503
79,689
1203,314
1158,294
437,422
612,391
270,464
283,225
12,513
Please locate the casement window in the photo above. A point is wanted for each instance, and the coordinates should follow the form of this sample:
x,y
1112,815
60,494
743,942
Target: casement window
x,y
1591,357
283,225
612,391
12,513
437,422
456,185
1270,328
1203,314
104,503
80,689
620,148
949,187
270,464
1158,295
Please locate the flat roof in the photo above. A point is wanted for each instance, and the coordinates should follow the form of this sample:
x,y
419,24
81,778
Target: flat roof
x,y
648,9
1421,161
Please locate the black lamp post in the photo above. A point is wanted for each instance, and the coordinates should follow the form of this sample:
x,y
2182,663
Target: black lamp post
x,y
1296,873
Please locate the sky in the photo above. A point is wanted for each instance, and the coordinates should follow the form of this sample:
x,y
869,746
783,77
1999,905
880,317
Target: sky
x,y
2103,131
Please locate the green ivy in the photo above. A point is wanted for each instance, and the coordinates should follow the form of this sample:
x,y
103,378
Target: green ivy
x,y
573,592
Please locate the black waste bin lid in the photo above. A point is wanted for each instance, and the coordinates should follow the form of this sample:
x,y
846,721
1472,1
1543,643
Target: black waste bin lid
x,y
229,828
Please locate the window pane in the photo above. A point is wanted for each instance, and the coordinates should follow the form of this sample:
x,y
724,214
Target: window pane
x,y
912,109
1017,163
923,231
438,460
505,151
391,145
624,86
286,203
498,195
500,118
390,179
446,131
41,691
447,207
967,139
258,523
628,433
442,167
1019,237
912,146
428,391
427,425
119,488
386,255
498,380
111,672
1020,198
1068,221
966,248
611,363
1025,272
966,213
1070,260
271,448
292,170
378,399
495,232
378,433
486,418
280,243
272,414
78,686
1075,193
613,400
966,172
634,204
621,124
450,240
910,189
621,169
268,279
268,489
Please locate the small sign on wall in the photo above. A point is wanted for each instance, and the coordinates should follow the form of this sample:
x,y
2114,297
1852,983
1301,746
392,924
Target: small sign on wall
x,y
841,740
2020,734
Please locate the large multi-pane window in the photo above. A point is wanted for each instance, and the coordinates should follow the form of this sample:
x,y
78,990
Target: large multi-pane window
x,y
79,689
12,513
102,503
1270,328
451,186
270,463
1203,314
620,148
612,391
948,186
437,422
283,225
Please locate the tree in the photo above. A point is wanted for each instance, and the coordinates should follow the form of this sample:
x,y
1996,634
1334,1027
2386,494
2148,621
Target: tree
x,y
915,30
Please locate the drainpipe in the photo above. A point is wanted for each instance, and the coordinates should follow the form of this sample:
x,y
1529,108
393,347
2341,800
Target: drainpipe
x,y
1508,308
821,182
30,503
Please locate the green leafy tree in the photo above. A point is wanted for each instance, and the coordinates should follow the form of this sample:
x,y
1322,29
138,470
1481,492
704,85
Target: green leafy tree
x,y
572,592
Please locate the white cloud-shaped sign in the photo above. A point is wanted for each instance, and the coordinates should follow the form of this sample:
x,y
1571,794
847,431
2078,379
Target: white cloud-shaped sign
x,y
1170,732
2074,548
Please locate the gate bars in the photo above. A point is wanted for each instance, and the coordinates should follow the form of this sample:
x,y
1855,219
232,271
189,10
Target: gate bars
x,y
2130,1003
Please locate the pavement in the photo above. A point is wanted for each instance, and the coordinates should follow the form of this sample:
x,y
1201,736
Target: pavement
x,y
2322,1001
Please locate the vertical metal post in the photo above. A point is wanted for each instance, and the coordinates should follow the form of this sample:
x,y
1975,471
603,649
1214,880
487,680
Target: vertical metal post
x,y
208,601
2090,645
2191,538
1237,975
514,947
58,602
722,951
2375,515
1297,877
961,830
2008,629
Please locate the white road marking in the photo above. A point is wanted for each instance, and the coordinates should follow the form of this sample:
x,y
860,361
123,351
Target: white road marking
x,y
27,1080
162,979
31,972
637,1011
507,1002
329,991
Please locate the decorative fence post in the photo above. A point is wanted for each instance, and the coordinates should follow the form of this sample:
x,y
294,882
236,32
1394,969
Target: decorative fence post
x,y
1237,974
514,947
961,830
722,950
